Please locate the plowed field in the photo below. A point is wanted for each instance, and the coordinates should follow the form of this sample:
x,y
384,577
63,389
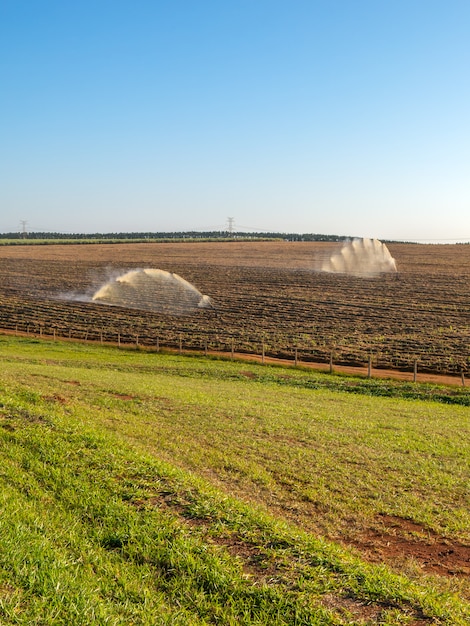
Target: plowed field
x,y
264,294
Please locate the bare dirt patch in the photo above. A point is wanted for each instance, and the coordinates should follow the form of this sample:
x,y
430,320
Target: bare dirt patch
x,y
55,398
247,374
124,396
401,539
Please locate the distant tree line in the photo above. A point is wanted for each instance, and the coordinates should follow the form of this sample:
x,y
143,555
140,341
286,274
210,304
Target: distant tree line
x,y
177,235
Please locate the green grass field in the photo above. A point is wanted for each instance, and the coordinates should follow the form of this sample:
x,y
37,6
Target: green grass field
x,y
141,488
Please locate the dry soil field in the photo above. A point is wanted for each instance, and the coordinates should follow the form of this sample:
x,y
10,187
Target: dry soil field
x,y
263,293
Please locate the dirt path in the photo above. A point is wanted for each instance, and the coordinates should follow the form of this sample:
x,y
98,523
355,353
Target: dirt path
x,y
437,379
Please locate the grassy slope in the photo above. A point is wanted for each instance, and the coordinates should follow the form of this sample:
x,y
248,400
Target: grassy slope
x,y
142,488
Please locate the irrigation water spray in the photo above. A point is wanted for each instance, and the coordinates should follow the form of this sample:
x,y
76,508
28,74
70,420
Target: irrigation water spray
x,y
361,257
152,290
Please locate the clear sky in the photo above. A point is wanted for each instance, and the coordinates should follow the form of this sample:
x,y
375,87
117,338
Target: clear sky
x,y
348,117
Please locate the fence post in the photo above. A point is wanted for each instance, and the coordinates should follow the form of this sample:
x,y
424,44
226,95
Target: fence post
x,y
262,353
54,334
101,336
233,349
369,367
415,371
137,341
119,340
180,347
158,344
295,356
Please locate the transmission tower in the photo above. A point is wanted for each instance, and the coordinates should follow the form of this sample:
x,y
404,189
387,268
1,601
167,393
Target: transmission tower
x,y
230,221
24,231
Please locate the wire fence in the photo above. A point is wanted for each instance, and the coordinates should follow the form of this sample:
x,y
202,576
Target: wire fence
x,y
266,346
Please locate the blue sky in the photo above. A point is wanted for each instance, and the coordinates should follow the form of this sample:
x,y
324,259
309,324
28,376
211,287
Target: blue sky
x,y
347,117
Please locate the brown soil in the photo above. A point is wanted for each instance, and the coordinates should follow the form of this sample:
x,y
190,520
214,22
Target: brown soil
x,y
123,396
400,539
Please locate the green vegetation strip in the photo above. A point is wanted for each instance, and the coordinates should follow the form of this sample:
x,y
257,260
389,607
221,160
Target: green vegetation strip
x,y
108,514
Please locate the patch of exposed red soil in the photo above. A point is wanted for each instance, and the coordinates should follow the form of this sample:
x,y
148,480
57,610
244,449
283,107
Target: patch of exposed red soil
x,y
372,613
55,398
248,374
124,396
401,538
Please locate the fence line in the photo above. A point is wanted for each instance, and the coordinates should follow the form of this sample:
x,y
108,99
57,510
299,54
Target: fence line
x,y
295,354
